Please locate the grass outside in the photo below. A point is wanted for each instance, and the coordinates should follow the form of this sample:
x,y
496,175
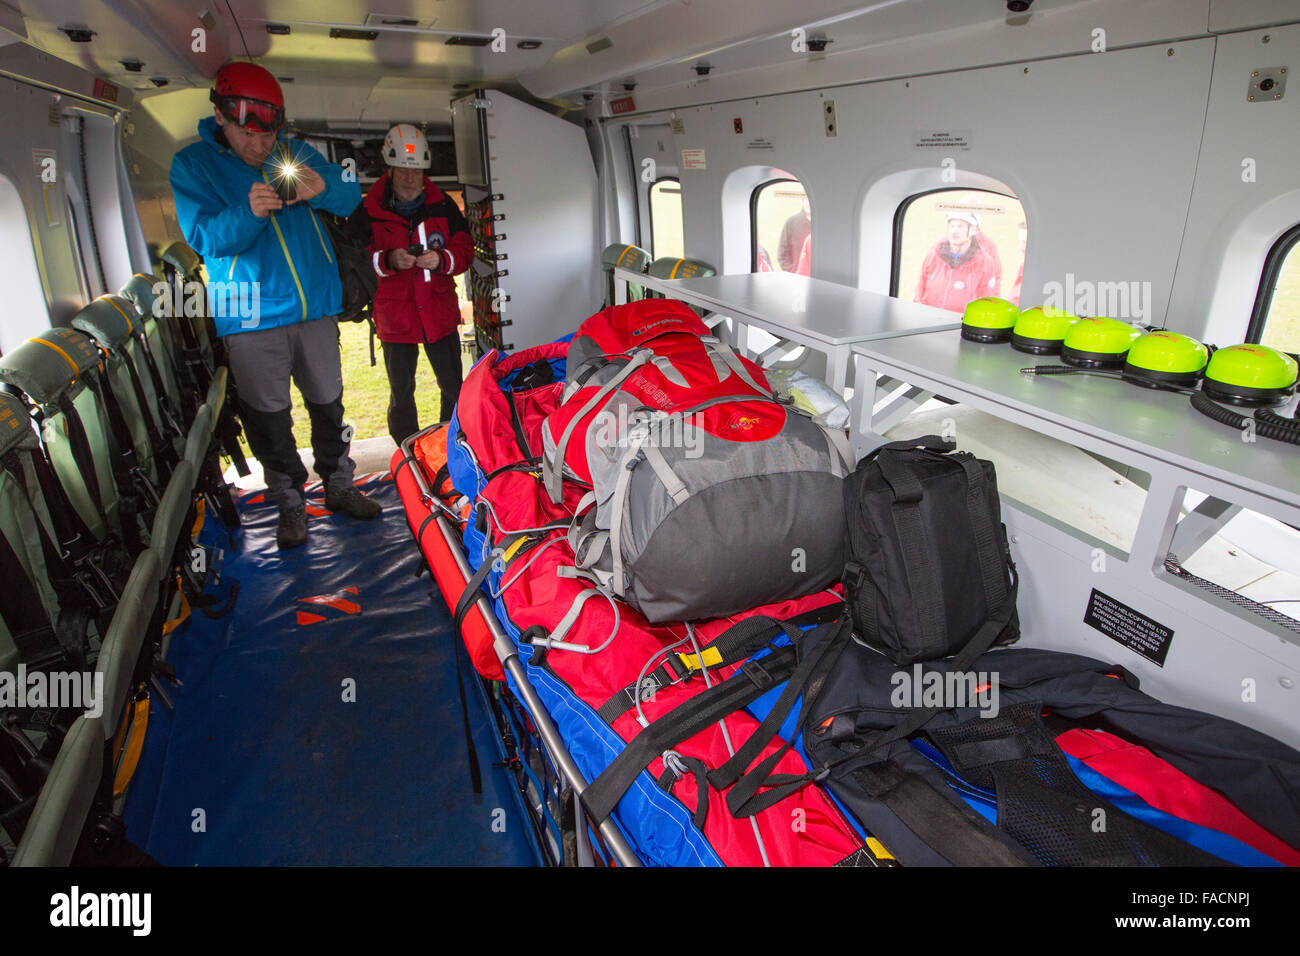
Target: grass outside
x,y
1282,331
365,390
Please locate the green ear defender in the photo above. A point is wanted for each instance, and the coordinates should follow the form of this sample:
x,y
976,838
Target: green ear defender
x,y
1098,343
1041,330
1163,359
988,320
1250,375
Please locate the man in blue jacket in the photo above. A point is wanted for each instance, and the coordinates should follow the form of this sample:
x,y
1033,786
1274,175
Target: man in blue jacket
x,y
245,200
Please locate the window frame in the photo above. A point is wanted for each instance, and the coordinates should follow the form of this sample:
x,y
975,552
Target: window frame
x,y
79,254
650,212
753,214
896,251
1268,276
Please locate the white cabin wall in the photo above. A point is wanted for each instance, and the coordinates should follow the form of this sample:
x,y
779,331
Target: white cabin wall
x,y
1233,222
1101,149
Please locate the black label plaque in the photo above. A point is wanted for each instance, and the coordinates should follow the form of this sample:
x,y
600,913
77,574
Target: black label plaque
x,y
1131,628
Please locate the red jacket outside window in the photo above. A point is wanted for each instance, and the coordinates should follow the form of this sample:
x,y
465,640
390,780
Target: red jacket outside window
x,y
950,282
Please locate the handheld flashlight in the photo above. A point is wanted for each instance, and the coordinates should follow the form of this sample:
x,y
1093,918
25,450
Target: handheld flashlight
x,y
285,178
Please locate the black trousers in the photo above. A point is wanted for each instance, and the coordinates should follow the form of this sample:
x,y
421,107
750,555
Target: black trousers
x,y
400,361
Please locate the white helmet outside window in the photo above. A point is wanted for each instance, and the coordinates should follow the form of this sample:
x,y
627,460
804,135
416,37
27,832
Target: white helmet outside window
x,y
406,148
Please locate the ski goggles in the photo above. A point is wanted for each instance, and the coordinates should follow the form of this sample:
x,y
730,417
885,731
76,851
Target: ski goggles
x,y
256,115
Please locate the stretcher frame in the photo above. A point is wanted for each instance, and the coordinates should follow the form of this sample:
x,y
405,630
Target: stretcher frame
x,y
607,834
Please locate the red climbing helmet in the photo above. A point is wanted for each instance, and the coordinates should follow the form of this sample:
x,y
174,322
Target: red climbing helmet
x,y
249,96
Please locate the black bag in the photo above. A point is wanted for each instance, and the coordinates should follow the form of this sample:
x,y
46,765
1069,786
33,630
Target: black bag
x,y
929,573
352,254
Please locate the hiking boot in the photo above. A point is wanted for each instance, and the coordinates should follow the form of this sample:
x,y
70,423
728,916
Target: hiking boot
x,y
292,529
352,502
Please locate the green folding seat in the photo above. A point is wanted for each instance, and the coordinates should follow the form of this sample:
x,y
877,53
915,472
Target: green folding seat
x,y
114,324
182,266
621,255
164,351
133,629
199,442
48,616
666,267
199,434
200,349
83,432
67,798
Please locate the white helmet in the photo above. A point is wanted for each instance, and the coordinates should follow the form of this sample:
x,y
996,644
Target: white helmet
x,y
405,147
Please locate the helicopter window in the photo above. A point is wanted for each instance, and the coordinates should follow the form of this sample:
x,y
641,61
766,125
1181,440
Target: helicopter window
x,y
26,310
667,237
780,228
955,245
1276,317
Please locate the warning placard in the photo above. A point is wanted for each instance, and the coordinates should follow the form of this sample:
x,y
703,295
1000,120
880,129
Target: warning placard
x,y
1133,629
945,139
693,159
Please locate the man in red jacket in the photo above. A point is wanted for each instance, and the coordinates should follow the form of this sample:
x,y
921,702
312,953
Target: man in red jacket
x,y
958,268
419,240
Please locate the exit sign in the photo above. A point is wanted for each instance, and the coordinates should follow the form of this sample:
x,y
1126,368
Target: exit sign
x,y
624,104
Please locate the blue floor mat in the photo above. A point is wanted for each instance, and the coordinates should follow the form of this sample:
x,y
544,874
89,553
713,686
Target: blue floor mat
x,y
264,762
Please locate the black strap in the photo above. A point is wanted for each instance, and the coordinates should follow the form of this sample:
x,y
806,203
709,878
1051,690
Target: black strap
x,y
125,465
155,375
57,567
152,434
81,453
807,681
29,625
734,644
963,837
407,461
530,464
684,721
75,537
517,424
665,675
700,770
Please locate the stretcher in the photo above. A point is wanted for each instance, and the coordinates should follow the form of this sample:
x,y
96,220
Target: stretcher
x,y
562,661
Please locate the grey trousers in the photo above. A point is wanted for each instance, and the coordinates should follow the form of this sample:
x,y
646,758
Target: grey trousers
x,y
263,361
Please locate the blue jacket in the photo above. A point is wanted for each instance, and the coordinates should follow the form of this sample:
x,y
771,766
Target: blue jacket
x,y
287,254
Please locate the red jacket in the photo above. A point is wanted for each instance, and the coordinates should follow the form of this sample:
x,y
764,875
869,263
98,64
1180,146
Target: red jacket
x,y
408,306
950,283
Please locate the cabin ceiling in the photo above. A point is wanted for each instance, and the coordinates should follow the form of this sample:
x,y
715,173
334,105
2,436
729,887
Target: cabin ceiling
x,y
409,71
